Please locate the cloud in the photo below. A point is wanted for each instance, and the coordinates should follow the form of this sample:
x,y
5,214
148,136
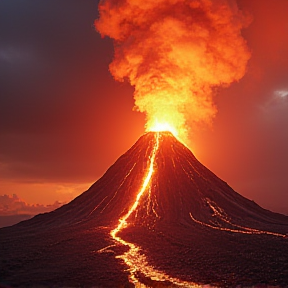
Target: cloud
x,y
281,93
56,117
276,105
13,205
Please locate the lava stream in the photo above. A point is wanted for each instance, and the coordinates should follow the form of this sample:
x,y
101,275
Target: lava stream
x,y
218,212
135,260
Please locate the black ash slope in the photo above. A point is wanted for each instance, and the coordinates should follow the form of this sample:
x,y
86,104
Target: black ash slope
x,y
189,223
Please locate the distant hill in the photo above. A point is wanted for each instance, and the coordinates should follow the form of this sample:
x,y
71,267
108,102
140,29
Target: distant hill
x,y
9,220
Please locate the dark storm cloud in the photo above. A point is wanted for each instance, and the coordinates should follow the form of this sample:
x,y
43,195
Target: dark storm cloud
x,y
56,91
43,44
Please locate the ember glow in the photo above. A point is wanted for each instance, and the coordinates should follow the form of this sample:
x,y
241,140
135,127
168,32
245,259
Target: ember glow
x,y
175,53
158,127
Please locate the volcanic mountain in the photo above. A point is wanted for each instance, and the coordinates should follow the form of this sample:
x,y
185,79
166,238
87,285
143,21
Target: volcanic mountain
x,y
158,217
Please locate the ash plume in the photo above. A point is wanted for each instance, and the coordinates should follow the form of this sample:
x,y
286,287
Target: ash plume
x,y
174,52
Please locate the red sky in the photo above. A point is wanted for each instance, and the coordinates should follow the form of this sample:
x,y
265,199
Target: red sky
x,y
64,120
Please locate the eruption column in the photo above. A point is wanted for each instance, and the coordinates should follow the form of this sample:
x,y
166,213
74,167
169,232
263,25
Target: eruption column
x,y
175,53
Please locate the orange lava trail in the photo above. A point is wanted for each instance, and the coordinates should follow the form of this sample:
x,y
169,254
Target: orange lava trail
x,y
218,212
135,260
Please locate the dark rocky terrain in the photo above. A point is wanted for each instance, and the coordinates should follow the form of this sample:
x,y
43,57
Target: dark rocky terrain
x,y
189,223
9,220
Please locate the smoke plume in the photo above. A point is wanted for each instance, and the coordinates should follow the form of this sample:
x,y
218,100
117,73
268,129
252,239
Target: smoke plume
x,y
175,52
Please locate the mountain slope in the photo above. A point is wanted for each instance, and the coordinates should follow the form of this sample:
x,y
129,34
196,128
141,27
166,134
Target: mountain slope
x,y
187,223
180,185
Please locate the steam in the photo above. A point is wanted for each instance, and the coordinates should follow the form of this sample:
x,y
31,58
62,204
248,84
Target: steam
x,y
175,52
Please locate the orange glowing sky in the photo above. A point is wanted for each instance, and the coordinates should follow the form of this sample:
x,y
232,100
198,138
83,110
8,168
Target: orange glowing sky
x,y
64,119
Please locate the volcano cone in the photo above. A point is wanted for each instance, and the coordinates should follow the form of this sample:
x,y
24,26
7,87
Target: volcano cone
x,y
188,224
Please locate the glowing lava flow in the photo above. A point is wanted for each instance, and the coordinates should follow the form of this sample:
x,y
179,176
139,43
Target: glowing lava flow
x,y
218,212
136,261
122,222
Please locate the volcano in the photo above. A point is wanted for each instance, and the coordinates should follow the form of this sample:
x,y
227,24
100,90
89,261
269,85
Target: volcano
x,y
156,218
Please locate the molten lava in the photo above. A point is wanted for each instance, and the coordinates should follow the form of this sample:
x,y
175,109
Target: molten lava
x,y
133,258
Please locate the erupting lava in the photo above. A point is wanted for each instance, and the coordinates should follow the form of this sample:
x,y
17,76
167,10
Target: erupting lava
x,y
160,127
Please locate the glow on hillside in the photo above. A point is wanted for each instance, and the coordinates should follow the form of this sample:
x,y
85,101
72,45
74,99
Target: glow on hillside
x,y
122,221
133,258
222,216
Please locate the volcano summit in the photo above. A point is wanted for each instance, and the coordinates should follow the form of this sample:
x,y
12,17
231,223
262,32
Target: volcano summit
x,y
156,217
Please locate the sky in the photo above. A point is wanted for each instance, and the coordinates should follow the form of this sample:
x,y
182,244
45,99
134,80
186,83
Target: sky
x,y
64,120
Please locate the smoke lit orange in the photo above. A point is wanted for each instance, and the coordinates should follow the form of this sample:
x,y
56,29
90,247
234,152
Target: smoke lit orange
x,y
174,53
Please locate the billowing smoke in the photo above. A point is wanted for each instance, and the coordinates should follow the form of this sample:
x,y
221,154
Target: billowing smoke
x,y
175,52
